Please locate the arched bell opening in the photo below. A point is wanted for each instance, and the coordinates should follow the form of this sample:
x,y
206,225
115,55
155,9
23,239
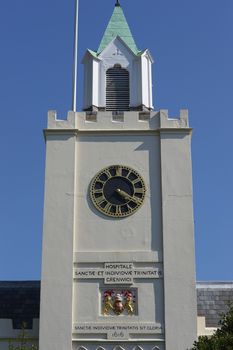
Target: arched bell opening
x,y
117,89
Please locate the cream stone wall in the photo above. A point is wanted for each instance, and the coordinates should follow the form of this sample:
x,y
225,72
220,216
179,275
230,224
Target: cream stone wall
x,y
140,232
79,241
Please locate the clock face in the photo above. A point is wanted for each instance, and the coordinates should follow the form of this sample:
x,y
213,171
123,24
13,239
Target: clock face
x,y
117,191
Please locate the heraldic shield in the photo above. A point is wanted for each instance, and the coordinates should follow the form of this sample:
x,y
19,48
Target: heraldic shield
x,y
119,302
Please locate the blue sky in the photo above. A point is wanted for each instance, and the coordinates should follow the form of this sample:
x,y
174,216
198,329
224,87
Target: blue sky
x,y
191,42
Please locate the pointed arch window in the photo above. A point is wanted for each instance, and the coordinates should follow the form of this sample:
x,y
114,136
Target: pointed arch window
x,y
81,348
117,89
118,347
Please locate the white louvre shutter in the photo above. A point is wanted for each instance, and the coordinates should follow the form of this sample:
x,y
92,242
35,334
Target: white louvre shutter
x,y
117,89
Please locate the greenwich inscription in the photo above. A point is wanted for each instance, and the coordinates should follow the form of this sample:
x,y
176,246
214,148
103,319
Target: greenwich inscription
x,y
118,273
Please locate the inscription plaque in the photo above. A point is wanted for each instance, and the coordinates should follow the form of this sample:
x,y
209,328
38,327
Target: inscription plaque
x,y
118,273
117,331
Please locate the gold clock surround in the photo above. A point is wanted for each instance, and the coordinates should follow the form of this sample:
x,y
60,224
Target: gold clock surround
x,y
117,191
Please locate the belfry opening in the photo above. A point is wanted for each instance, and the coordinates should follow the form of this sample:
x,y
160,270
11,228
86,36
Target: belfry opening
x,y
117,89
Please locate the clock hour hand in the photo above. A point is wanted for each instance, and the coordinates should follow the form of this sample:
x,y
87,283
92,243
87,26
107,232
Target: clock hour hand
x,y
126,196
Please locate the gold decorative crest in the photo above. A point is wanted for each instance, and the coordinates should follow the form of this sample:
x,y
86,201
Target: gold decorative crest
x,y
119,302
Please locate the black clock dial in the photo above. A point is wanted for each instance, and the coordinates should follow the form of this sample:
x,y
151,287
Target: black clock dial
x,y
110,190
117,191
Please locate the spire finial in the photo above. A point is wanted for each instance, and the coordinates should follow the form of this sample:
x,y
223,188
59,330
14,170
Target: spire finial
x,y
118,3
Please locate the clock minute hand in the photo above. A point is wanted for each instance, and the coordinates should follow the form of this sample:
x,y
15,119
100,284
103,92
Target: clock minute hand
x,y
127,196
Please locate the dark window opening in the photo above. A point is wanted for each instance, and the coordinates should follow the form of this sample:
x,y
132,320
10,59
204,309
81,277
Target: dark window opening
x,y
117,89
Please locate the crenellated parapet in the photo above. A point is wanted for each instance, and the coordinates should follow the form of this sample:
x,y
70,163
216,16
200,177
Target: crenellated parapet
x,y
120,122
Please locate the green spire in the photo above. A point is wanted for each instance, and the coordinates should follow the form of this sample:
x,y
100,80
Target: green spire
x,y
118,26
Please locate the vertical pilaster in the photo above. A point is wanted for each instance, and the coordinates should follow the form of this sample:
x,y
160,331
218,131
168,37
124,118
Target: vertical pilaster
x,y
178,238
57,259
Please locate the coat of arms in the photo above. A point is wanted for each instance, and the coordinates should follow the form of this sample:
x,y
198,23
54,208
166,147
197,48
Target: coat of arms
x,y
118,302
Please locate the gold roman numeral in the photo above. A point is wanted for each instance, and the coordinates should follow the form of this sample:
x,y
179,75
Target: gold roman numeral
x,y
139,190
108,207
118,210
107,172
137,200
134,182
97,191
129,207
101,181
119,171
100,200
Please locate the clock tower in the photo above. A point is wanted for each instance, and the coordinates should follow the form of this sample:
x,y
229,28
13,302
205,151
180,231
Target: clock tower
x,y
118,269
